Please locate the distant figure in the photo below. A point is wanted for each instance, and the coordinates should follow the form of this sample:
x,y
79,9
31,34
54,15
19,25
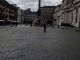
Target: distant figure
x,y
15,24
44,26
77,27
52,25
31,24
11,25
59,24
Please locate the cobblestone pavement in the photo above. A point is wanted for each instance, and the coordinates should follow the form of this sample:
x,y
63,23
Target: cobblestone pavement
x,y
31,43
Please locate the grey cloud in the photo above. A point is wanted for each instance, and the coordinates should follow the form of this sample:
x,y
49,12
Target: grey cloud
x,y
33,4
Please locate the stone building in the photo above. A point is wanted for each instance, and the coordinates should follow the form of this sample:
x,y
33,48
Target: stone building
x,y
8,12
29,16
58,14
22,16
47,14
19,15
70,12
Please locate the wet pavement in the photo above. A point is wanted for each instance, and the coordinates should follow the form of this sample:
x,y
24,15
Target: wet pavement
x,y
31,43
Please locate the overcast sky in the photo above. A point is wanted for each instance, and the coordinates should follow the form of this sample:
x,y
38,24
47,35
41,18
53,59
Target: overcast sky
x,y
33,4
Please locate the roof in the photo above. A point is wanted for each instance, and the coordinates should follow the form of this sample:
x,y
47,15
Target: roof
x,y
7,4
48,7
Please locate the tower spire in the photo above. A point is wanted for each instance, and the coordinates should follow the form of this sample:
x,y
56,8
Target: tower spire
x,y
39,4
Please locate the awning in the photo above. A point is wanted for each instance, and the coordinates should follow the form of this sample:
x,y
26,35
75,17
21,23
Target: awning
x,y
1,20
11,21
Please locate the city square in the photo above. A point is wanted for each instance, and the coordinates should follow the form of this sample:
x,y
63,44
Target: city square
x,y
31,43
39,29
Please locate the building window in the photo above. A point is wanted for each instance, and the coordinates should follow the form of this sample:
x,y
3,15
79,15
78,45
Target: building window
x,y
76,14
72,16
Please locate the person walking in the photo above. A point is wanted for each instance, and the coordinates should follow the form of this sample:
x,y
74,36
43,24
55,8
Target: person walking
x,y
44,26
52,24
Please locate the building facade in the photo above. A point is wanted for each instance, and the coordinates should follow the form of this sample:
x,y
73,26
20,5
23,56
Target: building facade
x,y
19,15
70,12
47,14
8,12
29,16
58,15
22,16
